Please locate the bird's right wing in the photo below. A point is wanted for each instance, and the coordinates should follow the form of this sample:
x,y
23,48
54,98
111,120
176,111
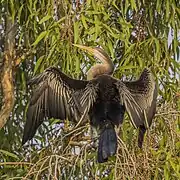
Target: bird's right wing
x,y
139,98
57,96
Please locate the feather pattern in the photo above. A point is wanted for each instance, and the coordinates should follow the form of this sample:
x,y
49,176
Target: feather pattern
x,y
54,98
139,98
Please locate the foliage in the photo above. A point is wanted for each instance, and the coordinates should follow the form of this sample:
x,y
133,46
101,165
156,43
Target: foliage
x,y
136,34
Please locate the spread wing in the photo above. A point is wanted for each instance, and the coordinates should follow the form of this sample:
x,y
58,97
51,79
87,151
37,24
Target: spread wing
x,y
139,98
57,96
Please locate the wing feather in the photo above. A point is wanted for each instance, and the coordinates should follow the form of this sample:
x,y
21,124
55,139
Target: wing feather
x,y
139,98
56,97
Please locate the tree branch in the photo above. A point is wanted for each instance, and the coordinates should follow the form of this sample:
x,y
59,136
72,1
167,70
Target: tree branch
x,y
7,72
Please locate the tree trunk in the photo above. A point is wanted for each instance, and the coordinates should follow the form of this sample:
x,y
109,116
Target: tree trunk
x,y
7,72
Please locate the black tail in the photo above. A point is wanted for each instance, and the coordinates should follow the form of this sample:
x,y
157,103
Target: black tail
x,y
107,144
142,131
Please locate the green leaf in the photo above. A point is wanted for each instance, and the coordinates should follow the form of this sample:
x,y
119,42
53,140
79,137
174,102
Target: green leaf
x,y
140,61
129,49
158,6
77,65
38,63
76,31
51,51
19,12
9,154
40,37
167,10
133,4
158,50
44,19
110,46
55,121
127,67
84,21
13,10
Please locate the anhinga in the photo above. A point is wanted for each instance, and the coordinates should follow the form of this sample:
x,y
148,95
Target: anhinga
x,y
102,97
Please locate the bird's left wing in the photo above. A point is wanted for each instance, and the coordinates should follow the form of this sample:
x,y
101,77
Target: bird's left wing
x,y
139,98
57,96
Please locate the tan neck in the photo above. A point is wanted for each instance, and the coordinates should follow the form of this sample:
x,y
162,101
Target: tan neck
x,y
107,66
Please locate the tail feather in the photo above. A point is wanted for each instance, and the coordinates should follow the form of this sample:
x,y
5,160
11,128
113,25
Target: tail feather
x,y
107,144
142,131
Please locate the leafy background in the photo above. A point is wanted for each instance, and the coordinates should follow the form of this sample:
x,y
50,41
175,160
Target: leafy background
x,y
136,34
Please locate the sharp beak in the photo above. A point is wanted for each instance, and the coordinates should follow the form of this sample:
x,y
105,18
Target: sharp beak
x,y
88,49
97,52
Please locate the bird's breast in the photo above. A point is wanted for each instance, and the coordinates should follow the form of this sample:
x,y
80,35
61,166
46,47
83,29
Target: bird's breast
x,y
107,88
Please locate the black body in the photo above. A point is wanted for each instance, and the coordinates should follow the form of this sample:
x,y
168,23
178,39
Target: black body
x,y
106,113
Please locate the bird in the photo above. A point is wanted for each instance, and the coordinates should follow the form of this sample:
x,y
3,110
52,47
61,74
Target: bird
x,y
102,98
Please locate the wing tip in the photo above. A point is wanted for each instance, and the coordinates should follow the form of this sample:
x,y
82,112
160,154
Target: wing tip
x,y
24,140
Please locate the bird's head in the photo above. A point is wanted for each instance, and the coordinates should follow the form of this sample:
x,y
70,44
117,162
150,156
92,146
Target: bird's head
x,y
107,66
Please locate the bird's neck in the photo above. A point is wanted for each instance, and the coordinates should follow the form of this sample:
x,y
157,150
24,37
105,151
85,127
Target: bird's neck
x,y
100,69
107,66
